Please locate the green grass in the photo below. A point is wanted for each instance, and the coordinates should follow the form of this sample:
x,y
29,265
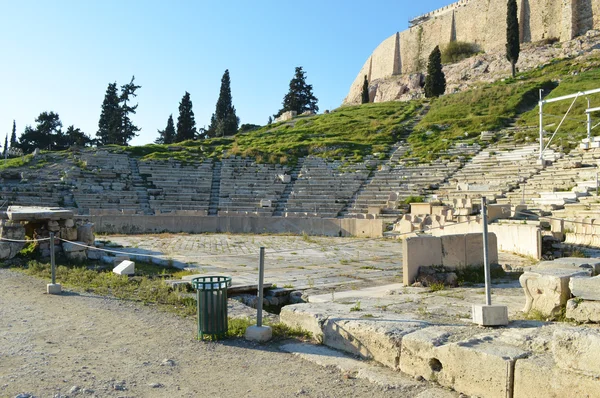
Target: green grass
x,y
15,162
574,77
348,133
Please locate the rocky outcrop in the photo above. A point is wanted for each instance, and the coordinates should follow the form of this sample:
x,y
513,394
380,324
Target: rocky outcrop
x,y
481,68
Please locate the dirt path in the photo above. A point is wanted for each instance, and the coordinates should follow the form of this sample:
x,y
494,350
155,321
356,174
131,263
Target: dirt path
x,y
84,345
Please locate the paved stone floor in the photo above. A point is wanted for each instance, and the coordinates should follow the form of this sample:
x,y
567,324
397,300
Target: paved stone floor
x,y
317,264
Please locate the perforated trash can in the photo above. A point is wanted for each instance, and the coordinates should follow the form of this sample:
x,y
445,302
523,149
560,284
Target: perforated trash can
x,y
211,295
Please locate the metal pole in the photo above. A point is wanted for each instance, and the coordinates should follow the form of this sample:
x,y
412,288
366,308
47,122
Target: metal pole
x,y
261,275
486,262
52,263
541,105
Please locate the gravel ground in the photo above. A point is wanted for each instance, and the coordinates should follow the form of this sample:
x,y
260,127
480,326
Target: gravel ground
x,y
85,345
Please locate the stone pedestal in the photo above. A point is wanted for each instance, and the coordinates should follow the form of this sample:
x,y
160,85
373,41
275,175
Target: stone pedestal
x,y
53,288
490,315
259,334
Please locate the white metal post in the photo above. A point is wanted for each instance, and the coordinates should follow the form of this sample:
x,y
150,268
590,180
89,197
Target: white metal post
x,y
589,123
486,260
541,106
261,275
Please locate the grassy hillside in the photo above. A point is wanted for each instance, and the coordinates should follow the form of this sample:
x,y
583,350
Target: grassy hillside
x,y
462,116
349,133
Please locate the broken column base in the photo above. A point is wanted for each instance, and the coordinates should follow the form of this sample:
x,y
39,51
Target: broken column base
x,y
260,334
490,315
53,288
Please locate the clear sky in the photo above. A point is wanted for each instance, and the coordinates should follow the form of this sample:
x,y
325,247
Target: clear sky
x,y
60,55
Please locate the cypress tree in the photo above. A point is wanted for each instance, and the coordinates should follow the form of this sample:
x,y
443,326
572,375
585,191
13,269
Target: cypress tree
x,y
435,81
109,124
5,146
365,91
13,136
167,136
513,45
300,97
224,121
186,125
128,129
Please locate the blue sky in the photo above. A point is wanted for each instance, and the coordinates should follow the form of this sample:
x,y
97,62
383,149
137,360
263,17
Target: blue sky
x,y
60,55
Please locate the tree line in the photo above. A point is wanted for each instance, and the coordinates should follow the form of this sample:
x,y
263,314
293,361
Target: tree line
x,y
115,125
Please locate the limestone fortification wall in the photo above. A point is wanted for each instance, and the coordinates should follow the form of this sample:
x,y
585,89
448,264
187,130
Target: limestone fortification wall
x,y
482,22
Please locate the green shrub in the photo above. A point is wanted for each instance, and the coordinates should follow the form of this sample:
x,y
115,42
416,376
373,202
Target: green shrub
x,y
458,50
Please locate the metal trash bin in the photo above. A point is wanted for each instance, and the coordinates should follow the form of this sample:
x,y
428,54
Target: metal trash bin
x,y
211,297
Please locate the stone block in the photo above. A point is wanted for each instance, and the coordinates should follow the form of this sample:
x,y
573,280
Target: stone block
x,y
296,316
260,334
498,212
583,311
546,290
480,367
474,249
370,339
78,257
420,208
538,376
577,350
417,252
576,263
94,254
73,247
125,268
490,315
85,233
586,288
69,223
53,288
453,251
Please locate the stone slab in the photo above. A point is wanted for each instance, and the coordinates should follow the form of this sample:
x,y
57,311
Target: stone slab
x,y
538,376
125,268
577,350
586,288
546,290
378,339
31,213
592,264
73,247
490,315
583,311
419,251
478,367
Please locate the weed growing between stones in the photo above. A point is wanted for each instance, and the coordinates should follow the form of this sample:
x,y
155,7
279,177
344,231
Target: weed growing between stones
x,y
237,328
356,307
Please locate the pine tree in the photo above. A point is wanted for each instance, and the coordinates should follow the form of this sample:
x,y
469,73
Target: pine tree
x,y
167,136
365,91
270,121
46,135
13,136
109,125
75,137
115,126
128,129
300,97
435,81
186,125
513,45
224,121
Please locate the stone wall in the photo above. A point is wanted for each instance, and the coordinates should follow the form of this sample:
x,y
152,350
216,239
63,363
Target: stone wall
x,y
137,224
482,22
